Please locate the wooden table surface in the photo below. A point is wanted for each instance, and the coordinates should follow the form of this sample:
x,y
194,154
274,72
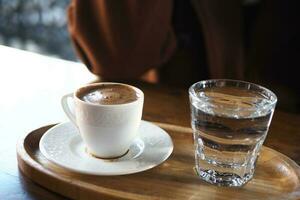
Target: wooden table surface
x,y
31,86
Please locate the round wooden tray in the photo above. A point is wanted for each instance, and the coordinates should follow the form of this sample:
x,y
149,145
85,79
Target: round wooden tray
x,y
276,176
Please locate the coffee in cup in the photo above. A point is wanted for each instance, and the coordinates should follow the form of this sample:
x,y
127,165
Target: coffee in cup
x,y
107,115
105,94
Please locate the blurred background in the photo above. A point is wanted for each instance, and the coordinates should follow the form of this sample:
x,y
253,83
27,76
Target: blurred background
x,y
271,37
36,25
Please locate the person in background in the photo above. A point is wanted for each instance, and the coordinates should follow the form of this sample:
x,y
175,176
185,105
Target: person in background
x,y
181,42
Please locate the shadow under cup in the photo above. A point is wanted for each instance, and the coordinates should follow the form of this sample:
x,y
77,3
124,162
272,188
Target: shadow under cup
x,y
230,121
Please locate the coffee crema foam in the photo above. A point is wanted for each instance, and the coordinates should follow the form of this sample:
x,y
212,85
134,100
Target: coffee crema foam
x,y
108,94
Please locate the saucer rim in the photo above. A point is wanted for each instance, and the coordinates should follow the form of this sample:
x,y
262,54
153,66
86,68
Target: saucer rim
x,y
101,173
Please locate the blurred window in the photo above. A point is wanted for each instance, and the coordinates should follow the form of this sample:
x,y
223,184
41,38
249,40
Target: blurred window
x,y
36,25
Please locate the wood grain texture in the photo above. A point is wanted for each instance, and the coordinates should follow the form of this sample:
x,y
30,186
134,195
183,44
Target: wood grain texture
x,y
44,80
276,176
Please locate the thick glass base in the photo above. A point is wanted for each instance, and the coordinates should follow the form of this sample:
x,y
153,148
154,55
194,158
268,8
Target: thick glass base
x,y
223,179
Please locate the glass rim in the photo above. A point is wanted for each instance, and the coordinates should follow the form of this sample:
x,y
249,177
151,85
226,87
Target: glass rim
x,y
273,98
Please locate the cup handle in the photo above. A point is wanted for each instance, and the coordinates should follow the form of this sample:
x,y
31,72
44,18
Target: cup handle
x,y
66,107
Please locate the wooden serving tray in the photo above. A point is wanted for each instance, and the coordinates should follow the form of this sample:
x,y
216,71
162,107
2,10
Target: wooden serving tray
x,y
276,176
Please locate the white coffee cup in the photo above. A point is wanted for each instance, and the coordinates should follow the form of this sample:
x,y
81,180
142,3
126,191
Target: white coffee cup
x,y
107,130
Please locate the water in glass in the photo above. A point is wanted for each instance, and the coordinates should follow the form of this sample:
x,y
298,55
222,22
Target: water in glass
x,y
230,125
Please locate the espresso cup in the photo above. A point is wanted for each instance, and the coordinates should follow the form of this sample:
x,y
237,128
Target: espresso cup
x,y
107,128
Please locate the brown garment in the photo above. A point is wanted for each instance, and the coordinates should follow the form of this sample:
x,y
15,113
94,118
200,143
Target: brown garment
x,y
121,39
124,39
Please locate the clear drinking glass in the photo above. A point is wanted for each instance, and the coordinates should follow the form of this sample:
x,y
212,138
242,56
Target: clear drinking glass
x,y
230,121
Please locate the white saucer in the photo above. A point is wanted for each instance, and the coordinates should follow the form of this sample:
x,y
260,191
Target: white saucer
x,y
63,146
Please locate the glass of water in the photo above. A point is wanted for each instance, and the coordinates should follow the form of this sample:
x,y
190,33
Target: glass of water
x,y
230,121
